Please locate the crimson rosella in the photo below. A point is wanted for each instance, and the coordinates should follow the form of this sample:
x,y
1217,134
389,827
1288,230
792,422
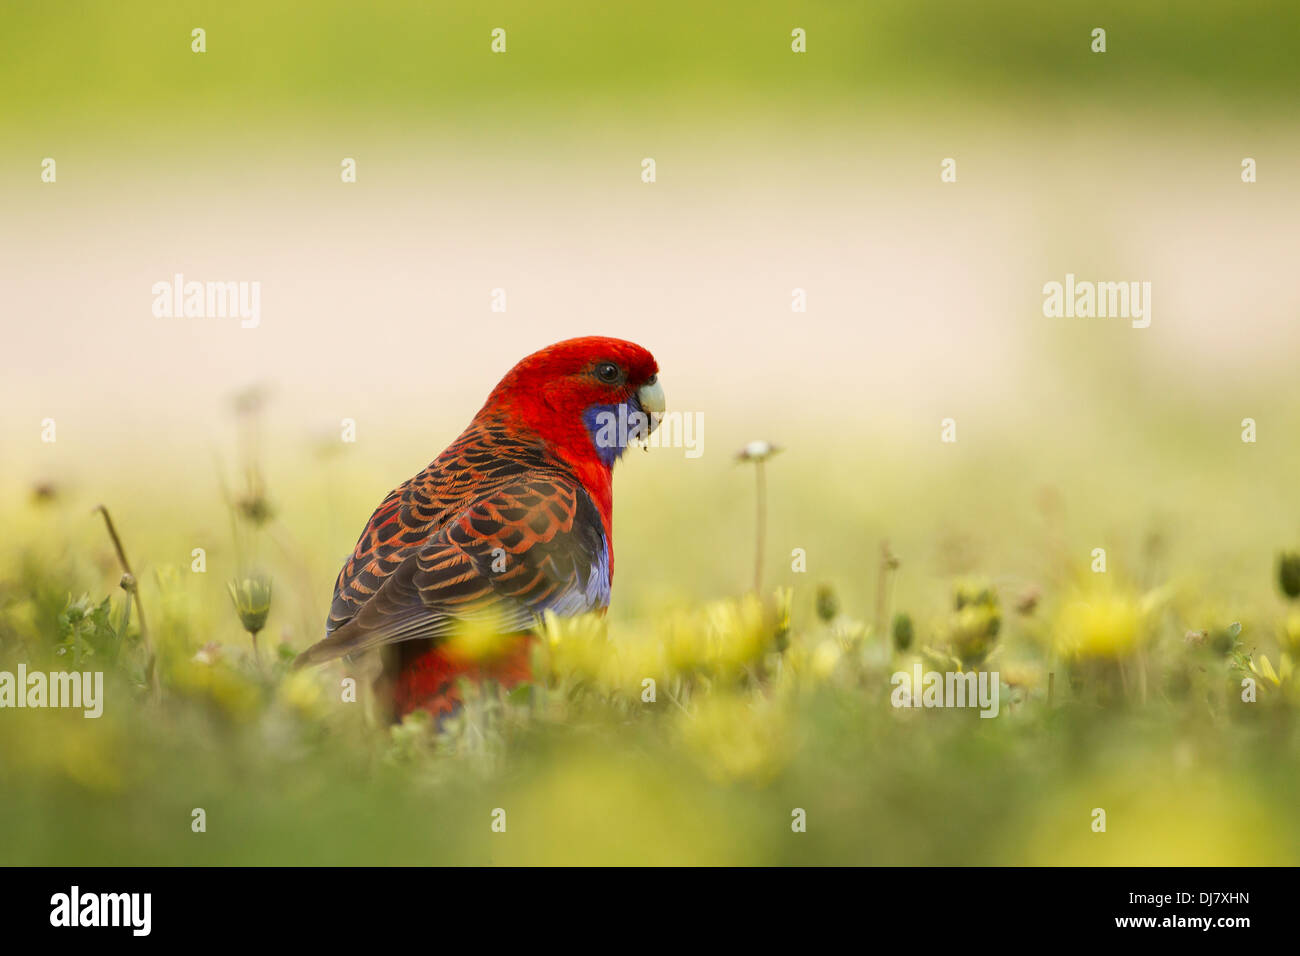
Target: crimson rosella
x,y
512,520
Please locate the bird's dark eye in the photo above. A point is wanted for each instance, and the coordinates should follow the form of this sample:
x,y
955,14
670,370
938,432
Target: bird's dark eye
x,y
652,379
607,372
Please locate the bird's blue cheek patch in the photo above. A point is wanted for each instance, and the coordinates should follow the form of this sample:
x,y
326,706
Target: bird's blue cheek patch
x,y
613,427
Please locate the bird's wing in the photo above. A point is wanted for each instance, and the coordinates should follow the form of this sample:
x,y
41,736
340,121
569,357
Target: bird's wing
x,y
533,545
486,458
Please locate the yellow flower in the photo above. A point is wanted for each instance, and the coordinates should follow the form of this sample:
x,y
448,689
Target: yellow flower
x,y
968,591
636,656
735,632
577,647
721,639
826,657
973,631
302,693
1022,674
784,601
226,688
1291,632
93,753
738,738
1276,677
480,640
1103,624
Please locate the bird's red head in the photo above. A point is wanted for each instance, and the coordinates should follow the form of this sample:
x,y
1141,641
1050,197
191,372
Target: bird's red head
x,y
570,393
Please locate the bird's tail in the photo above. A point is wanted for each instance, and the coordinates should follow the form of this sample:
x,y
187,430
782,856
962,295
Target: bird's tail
x,y
336,645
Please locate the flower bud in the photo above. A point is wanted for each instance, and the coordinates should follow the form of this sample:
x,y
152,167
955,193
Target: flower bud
x,y
1288,573
828,605
252,599
902,632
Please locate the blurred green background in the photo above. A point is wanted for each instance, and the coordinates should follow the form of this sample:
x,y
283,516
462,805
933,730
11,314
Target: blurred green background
x,y
75,64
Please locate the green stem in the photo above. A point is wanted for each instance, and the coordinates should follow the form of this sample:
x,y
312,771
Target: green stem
x,y
761,505
132,587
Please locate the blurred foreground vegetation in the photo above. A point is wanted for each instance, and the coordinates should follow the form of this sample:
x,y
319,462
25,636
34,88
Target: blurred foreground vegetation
x,y
1120,690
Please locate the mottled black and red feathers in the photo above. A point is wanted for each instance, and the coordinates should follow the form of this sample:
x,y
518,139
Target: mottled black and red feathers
x,y
496,528
512,520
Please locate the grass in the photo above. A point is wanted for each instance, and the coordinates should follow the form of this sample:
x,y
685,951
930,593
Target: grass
x,y
1120,691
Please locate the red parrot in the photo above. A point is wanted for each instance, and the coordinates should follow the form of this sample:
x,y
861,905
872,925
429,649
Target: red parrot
x,y
511,520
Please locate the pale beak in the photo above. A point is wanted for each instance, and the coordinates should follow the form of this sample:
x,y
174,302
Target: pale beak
x,y
651,397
